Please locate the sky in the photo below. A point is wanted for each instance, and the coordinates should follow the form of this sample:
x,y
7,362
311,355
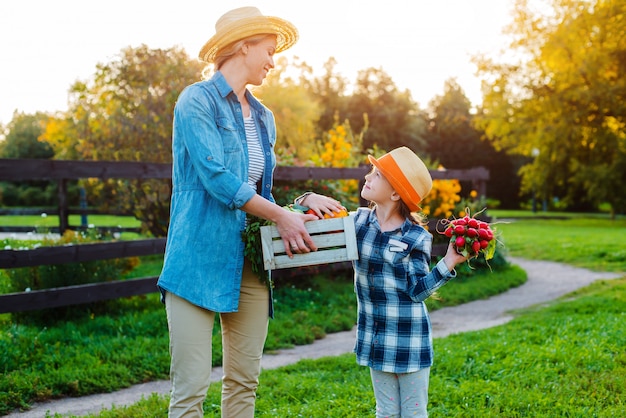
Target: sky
x,y
48,45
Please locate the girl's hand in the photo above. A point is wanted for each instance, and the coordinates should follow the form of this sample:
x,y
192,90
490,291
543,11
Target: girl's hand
x,y
321,204
453,258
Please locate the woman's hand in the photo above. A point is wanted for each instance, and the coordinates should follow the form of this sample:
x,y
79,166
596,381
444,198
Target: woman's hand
x,y
296,238
290,225
321,204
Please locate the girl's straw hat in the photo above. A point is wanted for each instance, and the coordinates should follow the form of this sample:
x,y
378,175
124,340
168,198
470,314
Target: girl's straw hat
x,y
407,174
244,22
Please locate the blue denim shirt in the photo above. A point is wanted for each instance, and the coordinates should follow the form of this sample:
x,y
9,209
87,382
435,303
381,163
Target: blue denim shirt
x,y
204,250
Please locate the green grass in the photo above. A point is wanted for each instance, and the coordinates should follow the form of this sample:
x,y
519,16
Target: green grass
x,y
102,353
554,361
593,243
567,359
42,223
51,220
526,214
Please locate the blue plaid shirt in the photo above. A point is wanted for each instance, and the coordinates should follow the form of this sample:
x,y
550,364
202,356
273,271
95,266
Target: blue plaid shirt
x,y
392,280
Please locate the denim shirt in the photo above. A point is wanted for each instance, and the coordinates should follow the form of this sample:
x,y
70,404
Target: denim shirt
x,y
204,250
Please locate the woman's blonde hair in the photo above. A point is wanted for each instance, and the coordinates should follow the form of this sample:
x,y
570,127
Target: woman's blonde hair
x,y
230,51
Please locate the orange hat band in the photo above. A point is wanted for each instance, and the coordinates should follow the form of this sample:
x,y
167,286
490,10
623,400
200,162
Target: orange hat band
x,y
392,171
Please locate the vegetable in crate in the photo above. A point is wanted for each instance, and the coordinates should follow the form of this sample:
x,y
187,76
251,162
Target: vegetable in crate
x,y
252,238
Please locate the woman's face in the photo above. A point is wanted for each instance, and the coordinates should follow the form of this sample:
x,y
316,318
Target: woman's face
x,y
259,59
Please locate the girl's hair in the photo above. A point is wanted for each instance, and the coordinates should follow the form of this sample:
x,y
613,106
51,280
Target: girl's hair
x,y
230,51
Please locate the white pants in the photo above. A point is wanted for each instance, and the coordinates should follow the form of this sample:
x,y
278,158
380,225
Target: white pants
x,y
401,395
243,337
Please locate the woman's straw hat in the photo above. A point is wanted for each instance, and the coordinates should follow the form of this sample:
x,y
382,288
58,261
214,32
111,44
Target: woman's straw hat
x,y
407,174
244,22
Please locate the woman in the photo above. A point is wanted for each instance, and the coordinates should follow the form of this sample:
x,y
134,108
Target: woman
x,y
223,160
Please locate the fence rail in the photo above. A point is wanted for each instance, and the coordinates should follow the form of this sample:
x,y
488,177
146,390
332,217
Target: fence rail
x,y
63,171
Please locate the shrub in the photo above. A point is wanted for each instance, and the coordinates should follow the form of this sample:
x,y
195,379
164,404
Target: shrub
x,y
60,275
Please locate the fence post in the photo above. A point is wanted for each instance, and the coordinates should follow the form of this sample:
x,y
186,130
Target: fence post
x,y
63,209
83,205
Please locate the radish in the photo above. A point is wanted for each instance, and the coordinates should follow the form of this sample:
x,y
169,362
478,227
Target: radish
x,y
470,236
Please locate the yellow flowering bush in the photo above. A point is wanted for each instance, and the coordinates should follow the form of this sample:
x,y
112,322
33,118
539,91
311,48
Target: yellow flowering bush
x,y
442,199
341,148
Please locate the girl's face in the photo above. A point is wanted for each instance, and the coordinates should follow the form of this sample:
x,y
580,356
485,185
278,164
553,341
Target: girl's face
x,y
259,59
376,189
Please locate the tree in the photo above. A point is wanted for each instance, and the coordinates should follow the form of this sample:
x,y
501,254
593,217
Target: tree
x,y
125,113
330,90
454,142
392,117
22,138
562,104
296,112
22,141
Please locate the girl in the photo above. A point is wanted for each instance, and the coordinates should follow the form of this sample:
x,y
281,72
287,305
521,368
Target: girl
x,y
392,280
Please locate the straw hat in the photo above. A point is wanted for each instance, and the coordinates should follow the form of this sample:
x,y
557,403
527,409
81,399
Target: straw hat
x,y
407,174
244,22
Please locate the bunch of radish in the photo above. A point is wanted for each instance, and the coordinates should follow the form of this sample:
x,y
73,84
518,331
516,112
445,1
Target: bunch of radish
x,y
471,237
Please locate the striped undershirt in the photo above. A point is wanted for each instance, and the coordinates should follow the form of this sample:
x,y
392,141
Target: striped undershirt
x,y
255,153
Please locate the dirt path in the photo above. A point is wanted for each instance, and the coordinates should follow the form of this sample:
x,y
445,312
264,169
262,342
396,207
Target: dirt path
x,y
546,281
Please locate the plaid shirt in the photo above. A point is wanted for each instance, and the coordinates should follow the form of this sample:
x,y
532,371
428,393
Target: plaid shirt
x,y
392,280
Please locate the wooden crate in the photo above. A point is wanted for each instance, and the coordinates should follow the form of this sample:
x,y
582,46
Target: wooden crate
x,y
335,239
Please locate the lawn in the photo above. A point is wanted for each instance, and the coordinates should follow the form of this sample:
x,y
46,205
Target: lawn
x,y
127,343
593,243
554,361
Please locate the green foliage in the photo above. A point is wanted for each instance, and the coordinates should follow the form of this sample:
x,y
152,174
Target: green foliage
x,y
125,113
295,110
561,104
22,141
253,251
28,193
454,142
393,118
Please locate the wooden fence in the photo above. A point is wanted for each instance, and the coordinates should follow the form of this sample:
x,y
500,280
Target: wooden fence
x,y
64,171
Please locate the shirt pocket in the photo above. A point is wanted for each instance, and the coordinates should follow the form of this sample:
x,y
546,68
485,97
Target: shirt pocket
x,y
229,135
394,257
